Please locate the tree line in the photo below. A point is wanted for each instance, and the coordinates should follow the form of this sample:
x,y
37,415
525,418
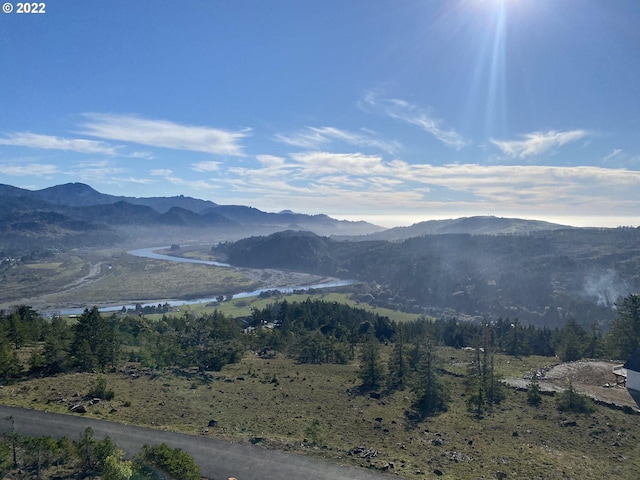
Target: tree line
x,y
311,331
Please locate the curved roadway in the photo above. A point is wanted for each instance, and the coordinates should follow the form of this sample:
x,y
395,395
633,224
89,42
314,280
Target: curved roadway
x,y
218,459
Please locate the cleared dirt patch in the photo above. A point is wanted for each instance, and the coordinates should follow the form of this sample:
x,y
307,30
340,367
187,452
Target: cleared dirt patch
x,y
592,378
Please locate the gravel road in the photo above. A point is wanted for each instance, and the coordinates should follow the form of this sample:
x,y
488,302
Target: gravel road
x,y
218,459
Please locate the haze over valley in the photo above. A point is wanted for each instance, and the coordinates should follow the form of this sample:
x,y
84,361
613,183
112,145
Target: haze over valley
x,y
471,268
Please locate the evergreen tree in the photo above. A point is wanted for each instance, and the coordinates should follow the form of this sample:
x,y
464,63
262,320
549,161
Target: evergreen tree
x,y
9,363
571,342
56,345
432,393
624,334
398,362
371,372
533,392
94,345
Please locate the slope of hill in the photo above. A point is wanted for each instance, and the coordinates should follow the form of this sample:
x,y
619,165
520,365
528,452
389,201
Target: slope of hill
x,y
543,278
480,225
81,195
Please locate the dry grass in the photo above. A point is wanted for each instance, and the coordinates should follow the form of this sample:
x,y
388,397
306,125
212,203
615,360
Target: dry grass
x,y
274,401
30,279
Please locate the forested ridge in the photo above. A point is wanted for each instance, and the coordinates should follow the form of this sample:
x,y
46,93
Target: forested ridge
x,y
543,278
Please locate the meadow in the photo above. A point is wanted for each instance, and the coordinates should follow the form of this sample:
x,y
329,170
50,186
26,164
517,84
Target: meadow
x,y
320,410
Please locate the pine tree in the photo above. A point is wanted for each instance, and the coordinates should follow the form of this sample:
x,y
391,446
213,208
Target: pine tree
x,y
432,393
398,363
624,334
533,392
371,372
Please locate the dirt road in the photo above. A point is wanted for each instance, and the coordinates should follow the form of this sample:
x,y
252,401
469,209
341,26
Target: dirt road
x,y
218,459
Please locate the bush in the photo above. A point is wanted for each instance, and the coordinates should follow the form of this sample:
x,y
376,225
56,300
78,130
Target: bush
x,y
100,389
572,401
173,461
533,393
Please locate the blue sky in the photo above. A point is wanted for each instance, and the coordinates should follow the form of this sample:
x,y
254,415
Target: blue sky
x,y
389,111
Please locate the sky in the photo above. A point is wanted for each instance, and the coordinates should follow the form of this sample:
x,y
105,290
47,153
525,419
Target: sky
x,y
392,111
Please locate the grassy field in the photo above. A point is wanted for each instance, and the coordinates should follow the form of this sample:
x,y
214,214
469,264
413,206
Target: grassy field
x,y
119,278
274,402
240,307
25,280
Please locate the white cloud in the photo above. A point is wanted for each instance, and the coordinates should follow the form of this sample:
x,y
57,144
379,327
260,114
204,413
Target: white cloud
x,y
35,169
95,171
169,176
536,143
406,112
336,183
48,142
316,163
164,134
316,137
206,166
615,153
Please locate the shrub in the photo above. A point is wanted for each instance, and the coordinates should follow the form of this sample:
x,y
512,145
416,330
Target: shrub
x,y
100,389
572,401
174,461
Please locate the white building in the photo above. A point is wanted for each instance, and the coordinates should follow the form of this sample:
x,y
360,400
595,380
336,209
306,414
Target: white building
x,y
633,371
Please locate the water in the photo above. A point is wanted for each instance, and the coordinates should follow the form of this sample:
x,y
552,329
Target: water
x,y
150,253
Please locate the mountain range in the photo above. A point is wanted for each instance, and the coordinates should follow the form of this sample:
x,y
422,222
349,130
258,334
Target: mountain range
x,y
70,212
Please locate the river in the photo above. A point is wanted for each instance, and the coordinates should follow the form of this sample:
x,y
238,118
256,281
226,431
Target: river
x,y
151,252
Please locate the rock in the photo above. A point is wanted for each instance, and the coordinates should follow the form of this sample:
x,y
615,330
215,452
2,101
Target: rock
x,y
501,475
457,456
568,423
78,408
437,472
213,423
363,452
378,419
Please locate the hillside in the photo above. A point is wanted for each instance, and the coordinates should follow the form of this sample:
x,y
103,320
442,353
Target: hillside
x,y
542,278
480,225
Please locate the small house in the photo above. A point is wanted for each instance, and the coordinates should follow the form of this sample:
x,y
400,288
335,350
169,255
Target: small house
x,y
632,366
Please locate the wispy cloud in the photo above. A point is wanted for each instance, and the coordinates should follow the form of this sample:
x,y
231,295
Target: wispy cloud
x,y
164,134
537,142
206,166
91,171
316,137
616,152
49,142
31,169
406,112
327,182
169,176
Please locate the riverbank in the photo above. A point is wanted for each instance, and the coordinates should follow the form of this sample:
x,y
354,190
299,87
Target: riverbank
x,y
144,276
